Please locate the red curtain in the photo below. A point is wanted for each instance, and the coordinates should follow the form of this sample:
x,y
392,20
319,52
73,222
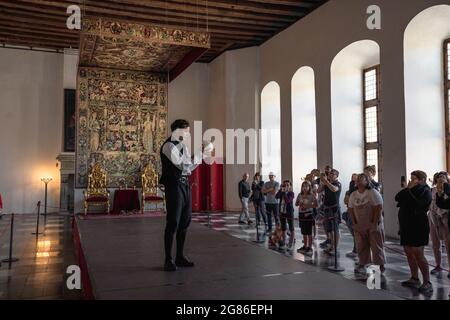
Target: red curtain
x,y
207,187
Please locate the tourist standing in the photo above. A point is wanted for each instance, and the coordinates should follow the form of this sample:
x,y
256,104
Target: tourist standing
x,y
439,215
244,196
306,203
371,172
414,201
270,189
347,217
365,206
257,198
286,209
331,188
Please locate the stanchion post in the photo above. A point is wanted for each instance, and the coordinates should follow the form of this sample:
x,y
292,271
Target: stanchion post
x,y
46,181
45,207
10,258
335,268
37,233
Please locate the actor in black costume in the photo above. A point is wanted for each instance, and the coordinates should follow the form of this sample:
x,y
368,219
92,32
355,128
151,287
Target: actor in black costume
x,y
177,165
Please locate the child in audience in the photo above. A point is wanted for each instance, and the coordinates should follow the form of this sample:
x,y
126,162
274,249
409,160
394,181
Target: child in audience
x,y
277,238
286,209
306,203
314,187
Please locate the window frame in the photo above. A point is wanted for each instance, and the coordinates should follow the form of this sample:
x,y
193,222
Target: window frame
x,y
368,104
446,102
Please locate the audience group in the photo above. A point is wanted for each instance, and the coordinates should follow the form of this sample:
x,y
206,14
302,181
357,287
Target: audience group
x,y
423,214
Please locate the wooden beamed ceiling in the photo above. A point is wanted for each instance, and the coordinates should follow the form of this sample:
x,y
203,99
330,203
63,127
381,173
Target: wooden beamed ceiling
x,y
232,23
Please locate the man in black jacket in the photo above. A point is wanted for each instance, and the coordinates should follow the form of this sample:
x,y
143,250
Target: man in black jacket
x,y
244,195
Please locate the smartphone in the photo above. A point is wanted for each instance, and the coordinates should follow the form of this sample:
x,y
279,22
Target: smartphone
x,y
403,181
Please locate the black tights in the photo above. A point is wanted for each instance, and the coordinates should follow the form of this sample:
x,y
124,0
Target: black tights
x,y
179,211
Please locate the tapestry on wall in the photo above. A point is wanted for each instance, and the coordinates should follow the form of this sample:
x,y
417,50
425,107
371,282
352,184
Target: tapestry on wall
x,y
121,121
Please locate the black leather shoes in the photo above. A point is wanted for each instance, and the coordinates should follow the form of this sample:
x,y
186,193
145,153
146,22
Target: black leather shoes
x,y
170,266
183,262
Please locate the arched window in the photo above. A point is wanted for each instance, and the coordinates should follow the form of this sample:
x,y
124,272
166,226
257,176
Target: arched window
x,y
371,105
271,130
425,112
304,137
447,96
352,124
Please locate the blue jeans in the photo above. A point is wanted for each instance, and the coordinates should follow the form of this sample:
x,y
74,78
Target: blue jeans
x,y
244,213
272,209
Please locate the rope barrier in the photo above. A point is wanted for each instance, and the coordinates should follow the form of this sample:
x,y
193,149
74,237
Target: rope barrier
x,y
51,207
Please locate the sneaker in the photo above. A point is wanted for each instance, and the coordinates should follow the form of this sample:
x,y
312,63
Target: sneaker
x,y
351,254
360,270
282,248
242,222
426,288
414,283
436,270
249,222
325,243
301,250
291,244
329,251
308,252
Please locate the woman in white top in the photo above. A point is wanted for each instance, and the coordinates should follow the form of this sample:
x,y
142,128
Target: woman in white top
x,y
438,219
365,207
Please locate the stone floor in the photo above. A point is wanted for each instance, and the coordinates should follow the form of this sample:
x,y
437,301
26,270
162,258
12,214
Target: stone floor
x,y
397,268
40,271
125,261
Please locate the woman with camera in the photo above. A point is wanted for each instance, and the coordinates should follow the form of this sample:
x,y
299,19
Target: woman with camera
x,y
371,172
414,201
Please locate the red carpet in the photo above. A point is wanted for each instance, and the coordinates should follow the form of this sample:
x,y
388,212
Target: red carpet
x,y
159,213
